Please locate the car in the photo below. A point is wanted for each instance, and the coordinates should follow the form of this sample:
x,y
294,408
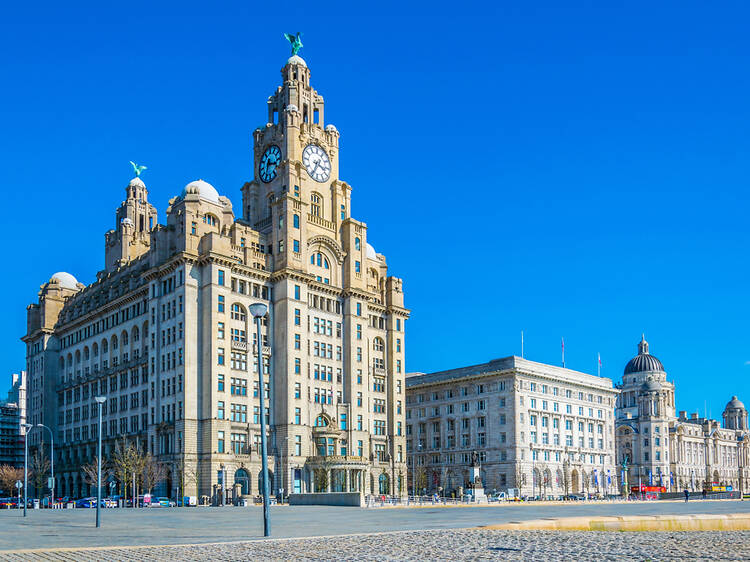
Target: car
x,y
86,502
163,502
574,497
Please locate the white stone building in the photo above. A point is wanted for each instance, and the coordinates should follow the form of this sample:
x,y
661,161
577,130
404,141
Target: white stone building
x,y
544,429
164,332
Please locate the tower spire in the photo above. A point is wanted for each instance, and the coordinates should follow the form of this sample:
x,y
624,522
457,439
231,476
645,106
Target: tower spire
x,y
643,346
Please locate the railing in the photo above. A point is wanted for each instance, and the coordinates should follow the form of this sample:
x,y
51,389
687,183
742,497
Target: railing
x,y
241,345
320,221
266,349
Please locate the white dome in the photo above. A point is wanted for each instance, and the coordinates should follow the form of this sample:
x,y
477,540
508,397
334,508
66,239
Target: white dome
x,y
66,280
370,253
331,129
137,182
202,189
296,59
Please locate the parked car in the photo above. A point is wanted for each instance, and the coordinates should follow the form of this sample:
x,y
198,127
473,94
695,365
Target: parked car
x,y
163,502
575,497
86,502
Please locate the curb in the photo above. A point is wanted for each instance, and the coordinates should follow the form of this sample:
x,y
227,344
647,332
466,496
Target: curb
x,y
696,522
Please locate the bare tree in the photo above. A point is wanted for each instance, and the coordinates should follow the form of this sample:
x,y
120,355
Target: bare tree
x,y
420,480
9,475
520,478
38,470
127,462
154,472
186,475
91,471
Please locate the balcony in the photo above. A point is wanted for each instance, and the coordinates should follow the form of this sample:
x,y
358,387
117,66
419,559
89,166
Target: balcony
x,y
320,221
241,345
266,349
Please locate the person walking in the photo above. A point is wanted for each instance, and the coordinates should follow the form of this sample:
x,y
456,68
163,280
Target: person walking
x,y
687,495
704,493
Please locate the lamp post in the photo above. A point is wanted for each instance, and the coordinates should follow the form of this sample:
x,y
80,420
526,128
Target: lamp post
x,y
27,427
259,310
414,470
99,400
284,471
740,459
51,459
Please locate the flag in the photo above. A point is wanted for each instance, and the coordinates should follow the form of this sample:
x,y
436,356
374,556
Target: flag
x,y
650,478
599,367
609,479
596,478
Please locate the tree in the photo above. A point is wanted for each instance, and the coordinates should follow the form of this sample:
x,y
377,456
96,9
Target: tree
x,y
154,472
91,472
420,480
127,462
38,471
9,475
186,475
520,477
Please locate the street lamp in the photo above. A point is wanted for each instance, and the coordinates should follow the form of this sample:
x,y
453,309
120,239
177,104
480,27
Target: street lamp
x,y
99,400
259,310
284,472
27,427
51,457
740,459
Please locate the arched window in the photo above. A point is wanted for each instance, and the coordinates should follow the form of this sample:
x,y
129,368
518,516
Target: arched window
x,y
238,312
114,342
315,204
95,349
136,334
357,244
210,220
105,346
320,260
378,345
124,338
321,421
78,356
86,353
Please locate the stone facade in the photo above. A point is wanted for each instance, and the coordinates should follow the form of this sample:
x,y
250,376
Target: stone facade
x,y
657,447
12,419
166,335
545,430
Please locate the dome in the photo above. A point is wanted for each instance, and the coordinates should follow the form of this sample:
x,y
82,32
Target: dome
x,y
136,182
331,129
296,59
370,253
66,280
651,386
644,362
202,189
734,403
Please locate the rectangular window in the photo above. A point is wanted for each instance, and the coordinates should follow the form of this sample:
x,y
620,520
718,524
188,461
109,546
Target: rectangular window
x,y
221,303
297,317
298,416
220,411
357,267
297,292
220,330
295,221
220,442
221,277
295,245
221,356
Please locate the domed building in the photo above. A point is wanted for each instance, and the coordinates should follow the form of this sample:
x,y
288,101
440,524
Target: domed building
x,y
661,448
166,333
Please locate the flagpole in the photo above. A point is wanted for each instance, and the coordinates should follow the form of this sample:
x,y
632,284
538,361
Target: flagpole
x,y
563,352
599,364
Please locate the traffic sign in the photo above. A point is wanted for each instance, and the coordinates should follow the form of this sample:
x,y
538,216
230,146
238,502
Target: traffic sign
x,y
50,482
19,484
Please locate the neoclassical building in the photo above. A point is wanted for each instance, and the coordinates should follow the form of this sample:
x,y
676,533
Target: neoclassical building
x,y
544,430
671,449
165,334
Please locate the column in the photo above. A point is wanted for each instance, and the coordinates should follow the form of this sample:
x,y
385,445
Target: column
x,y
348,480
329,474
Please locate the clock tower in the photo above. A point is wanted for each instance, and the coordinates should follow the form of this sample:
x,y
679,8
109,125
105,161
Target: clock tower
x,y
338,319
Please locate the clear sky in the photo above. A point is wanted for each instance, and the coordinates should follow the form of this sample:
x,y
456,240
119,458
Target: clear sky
x,y
575,169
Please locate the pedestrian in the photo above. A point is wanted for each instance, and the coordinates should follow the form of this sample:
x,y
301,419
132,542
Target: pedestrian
x,y
704,493
687,495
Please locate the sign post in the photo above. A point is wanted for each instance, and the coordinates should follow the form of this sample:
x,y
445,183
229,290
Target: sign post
x,y
19,485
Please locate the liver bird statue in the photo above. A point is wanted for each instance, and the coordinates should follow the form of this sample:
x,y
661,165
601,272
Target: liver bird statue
x,y
295,41
137,169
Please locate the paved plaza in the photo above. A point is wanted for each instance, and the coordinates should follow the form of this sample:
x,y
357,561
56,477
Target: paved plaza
x,y
305,532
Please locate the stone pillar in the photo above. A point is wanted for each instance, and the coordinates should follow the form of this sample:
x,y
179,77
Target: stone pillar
x,y
348,480
329,475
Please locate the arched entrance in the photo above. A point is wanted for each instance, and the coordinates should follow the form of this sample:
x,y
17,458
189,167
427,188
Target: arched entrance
x,y
242,478
383,484
575,482
270,482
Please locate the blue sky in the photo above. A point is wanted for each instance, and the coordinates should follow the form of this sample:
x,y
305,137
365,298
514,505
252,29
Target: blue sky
x,y
572,169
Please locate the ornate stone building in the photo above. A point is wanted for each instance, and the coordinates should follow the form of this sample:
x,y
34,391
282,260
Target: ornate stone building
x,y
164,332
543,429
674,450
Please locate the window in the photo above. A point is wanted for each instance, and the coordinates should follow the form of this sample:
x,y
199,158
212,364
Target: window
x,y
320,260
295,246
221,356
221,274
298,416
238,312
315,201
220,386
220,330
297,292
220,442
220,411
357,267
221,303
295,221
297,317
343,212
357,244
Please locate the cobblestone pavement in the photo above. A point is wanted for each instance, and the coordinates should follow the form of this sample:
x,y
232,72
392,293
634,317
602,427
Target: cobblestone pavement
x,y
460,544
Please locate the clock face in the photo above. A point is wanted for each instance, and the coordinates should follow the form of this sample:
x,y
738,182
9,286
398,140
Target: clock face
x,y
317,162
269,163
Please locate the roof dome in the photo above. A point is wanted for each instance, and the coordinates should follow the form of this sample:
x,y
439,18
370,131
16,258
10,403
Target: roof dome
x,y
296,59
137,182
734,403
66,280
644,362
202,189
370,253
